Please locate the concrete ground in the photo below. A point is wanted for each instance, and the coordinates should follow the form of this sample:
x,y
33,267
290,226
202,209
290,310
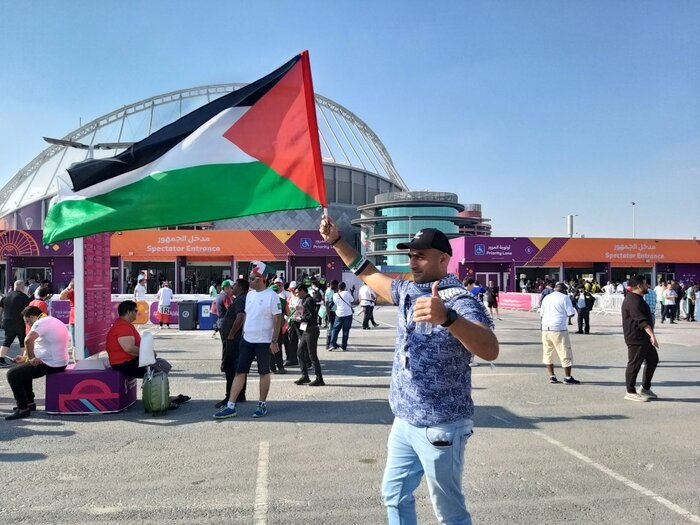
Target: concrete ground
x,y
541,453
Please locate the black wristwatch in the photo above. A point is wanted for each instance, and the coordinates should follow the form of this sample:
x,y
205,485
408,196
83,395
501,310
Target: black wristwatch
x,y
452,316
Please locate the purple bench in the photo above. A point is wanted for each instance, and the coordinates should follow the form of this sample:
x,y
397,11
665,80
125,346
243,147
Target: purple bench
x,y
89,391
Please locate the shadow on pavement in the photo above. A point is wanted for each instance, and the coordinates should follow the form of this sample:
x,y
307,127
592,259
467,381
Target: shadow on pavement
x,y
366,412
654,383
15,457
18,429
490,416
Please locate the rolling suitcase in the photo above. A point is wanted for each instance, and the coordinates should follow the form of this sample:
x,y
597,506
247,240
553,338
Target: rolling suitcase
x,y
156,392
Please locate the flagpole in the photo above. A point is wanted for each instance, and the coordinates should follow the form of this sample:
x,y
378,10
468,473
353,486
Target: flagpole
x,y
79,297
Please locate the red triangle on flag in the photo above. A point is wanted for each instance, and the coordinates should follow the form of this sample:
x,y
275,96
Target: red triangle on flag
x,y
280,130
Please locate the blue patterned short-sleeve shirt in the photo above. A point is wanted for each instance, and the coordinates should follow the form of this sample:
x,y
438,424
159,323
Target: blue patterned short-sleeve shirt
x,y
431,377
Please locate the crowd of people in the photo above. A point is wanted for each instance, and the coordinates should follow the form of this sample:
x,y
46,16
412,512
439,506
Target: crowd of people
x,y
442,323
278,324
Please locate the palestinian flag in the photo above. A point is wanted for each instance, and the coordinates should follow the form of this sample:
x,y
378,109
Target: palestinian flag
x,y
255,150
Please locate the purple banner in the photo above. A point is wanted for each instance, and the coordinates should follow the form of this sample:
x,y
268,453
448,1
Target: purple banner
x,y
174,313
309,242
498,249
29,216
29,243
60,309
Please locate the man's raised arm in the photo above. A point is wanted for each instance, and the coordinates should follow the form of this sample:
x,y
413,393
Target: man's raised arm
x,y
359,265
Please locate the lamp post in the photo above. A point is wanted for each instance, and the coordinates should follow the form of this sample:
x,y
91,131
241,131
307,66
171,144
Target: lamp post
x,y
634,226
570,224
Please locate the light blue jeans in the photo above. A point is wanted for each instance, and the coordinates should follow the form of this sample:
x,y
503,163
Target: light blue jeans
x,y
437,452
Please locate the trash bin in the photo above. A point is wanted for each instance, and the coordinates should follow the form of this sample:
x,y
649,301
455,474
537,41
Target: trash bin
x,y
205,318
187,316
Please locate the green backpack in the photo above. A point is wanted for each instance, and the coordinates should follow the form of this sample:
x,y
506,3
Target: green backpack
x,y
156,392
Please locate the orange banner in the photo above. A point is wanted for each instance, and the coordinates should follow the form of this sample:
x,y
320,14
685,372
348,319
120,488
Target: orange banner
x,y
628,252
155,245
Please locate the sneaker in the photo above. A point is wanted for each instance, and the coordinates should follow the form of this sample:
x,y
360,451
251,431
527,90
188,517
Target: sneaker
x,y
332,348
6,361
303,380
226,413
644,393
553,379
571,381
18,414
221,404
633,396
317,382
261,410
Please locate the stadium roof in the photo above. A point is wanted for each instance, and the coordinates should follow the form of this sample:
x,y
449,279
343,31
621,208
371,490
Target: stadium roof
x,y
345,140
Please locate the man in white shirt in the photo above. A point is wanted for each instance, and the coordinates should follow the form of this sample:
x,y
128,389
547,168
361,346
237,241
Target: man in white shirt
x,y
343,318
555,310
140,290
263,320
165,297
46,347
608,288
670,296
367,301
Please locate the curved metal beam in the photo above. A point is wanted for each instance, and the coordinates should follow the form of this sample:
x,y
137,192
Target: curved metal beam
x,y
149,104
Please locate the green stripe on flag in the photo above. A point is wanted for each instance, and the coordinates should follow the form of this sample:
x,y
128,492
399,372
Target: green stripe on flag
x,y
183,196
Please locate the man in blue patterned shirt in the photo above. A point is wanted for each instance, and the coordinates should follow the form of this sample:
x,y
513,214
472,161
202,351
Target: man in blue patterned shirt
x,y
651,299
440,326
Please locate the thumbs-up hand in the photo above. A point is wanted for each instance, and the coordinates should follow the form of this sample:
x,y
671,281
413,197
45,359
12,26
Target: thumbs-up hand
x,y
430,309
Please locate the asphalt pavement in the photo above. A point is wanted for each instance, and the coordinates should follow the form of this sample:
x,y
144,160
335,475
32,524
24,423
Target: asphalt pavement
x,y
541,453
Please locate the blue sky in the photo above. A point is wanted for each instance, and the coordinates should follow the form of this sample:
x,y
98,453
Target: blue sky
x,y
535,109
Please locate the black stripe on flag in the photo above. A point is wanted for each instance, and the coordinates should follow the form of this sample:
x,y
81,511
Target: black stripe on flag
x,y
93,171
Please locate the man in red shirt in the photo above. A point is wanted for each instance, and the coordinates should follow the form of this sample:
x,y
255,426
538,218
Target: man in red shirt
x,y
123,342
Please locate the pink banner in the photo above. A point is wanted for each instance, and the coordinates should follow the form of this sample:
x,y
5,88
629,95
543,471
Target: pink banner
x,y
515,301
98,307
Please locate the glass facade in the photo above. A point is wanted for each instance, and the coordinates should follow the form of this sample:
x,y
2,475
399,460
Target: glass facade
x,y
395,217
435,211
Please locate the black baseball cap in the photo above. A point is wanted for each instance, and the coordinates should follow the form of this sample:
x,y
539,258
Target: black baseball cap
x,y
427,238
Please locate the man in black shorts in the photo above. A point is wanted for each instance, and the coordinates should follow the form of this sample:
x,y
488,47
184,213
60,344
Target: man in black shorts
x,y
263,320
13,323
232,332
492,292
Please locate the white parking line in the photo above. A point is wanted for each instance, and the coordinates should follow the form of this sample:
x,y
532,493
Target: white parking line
x,y
619,477
261,497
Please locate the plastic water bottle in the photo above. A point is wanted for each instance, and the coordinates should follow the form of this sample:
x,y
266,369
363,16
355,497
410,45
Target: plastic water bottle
x,y
424,328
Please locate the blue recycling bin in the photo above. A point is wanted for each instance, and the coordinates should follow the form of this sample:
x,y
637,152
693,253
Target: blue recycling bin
x,y
206,318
